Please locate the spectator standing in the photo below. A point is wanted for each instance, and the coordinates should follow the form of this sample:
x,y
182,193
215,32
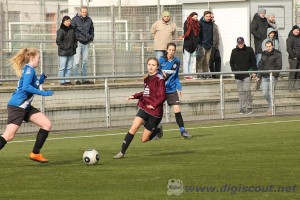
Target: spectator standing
x,y
67,44
293,49
163,31
215,57
243,59
258,29
206,42
271,60
191,30
272,36
271,21
84,31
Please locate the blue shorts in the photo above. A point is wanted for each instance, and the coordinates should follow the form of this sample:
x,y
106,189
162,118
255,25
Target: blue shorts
x,y
151,122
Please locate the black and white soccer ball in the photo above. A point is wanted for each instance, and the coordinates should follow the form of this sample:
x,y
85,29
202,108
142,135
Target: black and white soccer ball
x,y
91,157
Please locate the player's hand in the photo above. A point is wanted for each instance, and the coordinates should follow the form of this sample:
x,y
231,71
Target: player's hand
x,y
150,107
48,93
130,97
180,93
42,78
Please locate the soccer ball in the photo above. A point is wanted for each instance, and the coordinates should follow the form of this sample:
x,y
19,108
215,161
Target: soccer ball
x,y
91,157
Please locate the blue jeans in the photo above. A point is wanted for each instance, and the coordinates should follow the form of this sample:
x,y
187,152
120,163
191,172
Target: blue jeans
x,y
188,62
258,58
159,53
265,86
65,66
82,50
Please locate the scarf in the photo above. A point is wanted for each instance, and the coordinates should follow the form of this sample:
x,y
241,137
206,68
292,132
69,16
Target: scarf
x,y
192,25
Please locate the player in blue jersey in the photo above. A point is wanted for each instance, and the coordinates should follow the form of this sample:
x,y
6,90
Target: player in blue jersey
x,y
169,64
19,106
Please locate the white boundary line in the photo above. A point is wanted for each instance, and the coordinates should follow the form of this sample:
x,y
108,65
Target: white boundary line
x,y
205,127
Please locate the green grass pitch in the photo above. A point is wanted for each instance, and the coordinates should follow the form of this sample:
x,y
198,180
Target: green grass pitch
x,y
228,156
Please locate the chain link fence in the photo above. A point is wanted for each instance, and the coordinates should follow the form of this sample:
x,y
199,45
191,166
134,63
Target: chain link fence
x,y
122,40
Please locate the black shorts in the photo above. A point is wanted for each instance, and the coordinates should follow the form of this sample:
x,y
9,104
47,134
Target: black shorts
x,y
173,99
151,122
17,115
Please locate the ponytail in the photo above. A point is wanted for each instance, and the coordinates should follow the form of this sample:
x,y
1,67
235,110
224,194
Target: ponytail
x,y
21,58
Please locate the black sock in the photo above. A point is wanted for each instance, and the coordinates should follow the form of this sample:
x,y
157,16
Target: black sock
x,y
179,119
154,133
127,140
40,140
2,142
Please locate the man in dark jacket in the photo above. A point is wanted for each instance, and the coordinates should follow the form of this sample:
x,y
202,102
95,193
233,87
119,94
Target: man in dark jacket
x,y
215,57
271,59
293,49
84,31
243,59
258,28
67,44
206,42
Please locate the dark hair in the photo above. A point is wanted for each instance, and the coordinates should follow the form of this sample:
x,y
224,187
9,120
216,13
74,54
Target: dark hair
x,y
269,42
169,44
206,12
193,13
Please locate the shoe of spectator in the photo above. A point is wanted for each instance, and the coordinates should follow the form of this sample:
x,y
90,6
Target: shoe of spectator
x,y
77,83
62,83
87,82
242,111
68,83
249,111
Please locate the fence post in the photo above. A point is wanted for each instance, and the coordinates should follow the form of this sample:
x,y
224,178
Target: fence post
x,y
94,60
272,93
113,39
42,70
1,39
107,103
167,112
222,97
143,58
158,9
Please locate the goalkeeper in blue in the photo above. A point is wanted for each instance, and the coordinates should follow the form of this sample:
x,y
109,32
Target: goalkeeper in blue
x,y
19,106
169,65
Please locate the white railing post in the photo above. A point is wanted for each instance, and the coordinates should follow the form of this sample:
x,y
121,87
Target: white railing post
x,y
107,104
42,70
222,97
272,93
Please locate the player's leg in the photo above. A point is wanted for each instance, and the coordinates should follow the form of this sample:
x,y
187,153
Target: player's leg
x,y
40,119
153,129
14,120
137,122
8,134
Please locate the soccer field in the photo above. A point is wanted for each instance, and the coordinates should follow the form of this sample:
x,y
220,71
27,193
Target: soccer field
x,y
248,159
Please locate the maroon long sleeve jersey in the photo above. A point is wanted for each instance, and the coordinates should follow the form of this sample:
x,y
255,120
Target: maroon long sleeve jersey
x,y
154,94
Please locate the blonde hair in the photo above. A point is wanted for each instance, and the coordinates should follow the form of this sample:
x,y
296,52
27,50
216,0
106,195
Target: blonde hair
x,y
21,58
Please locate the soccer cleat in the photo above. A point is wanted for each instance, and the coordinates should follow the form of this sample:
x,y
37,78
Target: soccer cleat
x,y
37,157
185,135
160,133
119,155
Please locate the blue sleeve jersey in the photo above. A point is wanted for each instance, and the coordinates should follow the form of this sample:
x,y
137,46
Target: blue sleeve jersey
x,y
27,87
171,69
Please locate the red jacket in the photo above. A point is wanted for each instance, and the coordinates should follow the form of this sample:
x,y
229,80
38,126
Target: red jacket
x,y
154,94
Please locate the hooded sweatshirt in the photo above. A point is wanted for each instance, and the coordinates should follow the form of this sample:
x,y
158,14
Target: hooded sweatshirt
x,y
274,39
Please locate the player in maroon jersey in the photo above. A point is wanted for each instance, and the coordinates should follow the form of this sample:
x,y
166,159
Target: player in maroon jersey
x,y
150,106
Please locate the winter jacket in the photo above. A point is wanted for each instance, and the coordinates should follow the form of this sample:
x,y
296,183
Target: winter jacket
x,y
242,60
84,28
274,40
216,36
270,61
66,41
293,46
206,34
258,29
162,33
190,43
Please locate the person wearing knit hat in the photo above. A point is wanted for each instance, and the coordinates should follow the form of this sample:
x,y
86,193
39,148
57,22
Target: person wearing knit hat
x,y
163,32
67,44
258,28
293,49
271,21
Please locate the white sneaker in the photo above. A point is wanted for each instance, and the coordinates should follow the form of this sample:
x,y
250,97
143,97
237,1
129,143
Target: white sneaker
x,y
119,155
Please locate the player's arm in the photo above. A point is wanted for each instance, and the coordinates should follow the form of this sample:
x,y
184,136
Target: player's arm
x,y
27,87
161,94
137,95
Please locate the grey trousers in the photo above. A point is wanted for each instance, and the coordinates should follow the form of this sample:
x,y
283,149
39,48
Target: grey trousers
x,y
243,87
